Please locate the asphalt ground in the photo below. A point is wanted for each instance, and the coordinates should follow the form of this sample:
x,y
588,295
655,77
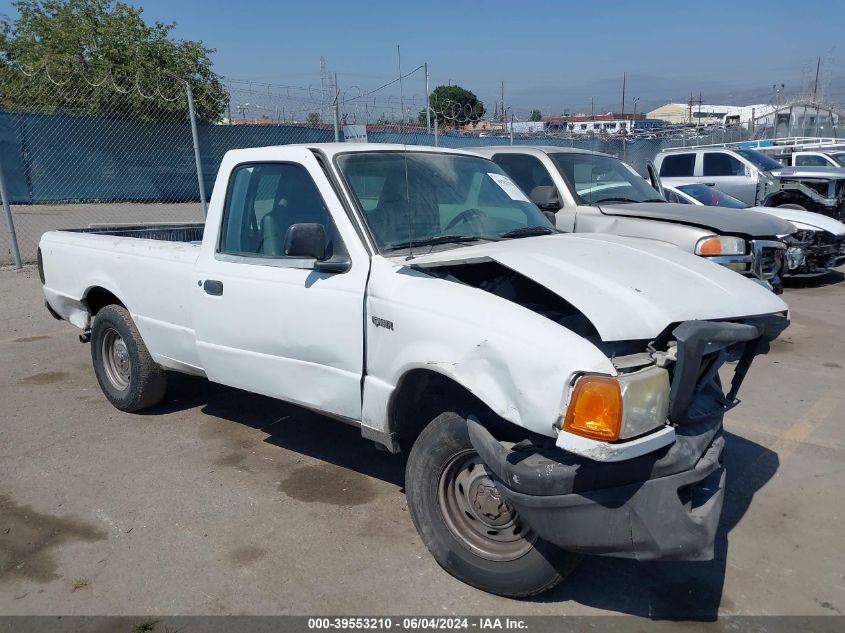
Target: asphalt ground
x,y
223,502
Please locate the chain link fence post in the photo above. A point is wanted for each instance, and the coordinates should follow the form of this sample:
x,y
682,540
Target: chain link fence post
x,y
195,136
10,221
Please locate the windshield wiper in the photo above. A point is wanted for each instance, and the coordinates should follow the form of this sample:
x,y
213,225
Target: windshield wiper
x,y
614,200
432,241
528,231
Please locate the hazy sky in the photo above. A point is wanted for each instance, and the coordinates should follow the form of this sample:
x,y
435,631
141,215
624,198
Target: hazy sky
x,y
557,54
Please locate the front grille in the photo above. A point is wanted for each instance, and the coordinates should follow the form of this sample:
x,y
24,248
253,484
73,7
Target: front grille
x,y
768,258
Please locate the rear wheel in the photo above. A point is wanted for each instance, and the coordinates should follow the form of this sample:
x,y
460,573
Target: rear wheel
x,y
128,376
469,528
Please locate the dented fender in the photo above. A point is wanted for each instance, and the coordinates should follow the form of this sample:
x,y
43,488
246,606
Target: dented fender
x,y
517,362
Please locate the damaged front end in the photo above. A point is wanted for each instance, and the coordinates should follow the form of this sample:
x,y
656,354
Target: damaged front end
x,y
661,503
811,252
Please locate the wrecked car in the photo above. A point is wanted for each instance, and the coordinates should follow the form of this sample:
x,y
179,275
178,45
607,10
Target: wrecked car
x,y
591,192
756,178
814,248
556,394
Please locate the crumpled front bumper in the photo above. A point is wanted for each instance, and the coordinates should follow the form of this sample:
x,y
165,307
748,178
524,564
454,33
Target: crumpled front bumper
x,y
671,513
665,504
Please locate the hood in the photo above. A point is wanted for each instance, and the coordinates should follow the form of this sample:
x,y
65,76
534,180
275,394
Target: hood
x,y
716,219
628,288
805,219
809,172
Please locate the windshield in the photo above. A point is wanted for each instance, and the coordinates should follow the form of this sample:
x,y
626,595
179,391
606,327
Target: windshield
x,y
839,157
712,197
426,198
595,179
759,159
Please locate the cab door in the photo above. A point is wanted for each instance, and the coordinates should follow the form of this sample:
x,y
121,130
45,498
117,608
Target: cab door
x,y
282,326
727,173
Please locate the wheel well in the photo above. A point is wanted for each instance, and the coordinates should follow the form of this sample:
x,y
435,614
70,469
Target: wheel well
x,y
422,395
788,197
98,298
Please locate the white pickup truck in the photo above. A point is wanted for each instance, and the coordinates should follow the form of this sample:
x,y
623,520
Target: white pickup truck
x,y
557,394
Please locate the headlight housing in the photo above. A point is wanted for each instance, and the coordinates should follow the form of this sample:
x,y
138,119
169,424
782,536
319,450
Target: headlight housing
x,y
610,408
804,236
720,245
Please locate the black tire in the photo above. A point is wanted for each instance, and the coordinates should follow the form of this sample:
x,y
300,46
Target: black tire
x,y
144,383
535,567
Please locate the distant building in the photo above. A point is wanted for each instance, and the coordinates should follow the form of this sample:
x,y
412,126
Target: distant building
x,y
707,114
526,127
610,123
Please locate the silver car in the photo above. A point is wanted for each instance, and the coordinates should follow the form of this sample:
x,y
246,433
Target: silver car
x,y
591,192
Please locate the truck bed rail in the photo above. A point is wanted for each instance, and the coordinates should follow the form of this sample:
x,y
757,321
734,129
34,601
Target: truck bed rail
x,y
177,232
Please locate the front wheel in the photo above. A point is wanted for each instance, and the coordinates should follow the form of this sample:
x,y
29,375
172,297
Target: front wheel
x,y
469,528
128,375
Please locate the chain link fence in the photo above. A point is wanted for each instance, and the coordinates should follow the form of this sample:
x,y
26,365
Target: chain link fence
x,y
106,150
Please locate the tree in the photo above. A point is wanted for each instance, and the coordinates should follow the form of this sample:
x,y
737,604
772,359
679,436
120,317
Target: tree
x,y
101,57
312,119
536,115
453,106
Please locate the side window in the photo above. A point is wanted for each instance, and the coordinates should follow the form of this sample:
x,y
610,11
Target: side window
x,y
263,202
677,165
720,164
809,160
526,171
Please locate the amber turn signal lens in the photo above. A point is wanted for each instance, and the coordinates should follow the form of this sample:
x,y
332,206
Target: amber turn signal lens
x,y
710,246
595,409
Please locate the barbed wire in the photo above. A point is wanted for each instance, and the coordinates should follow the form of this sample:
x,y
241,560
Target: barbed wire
x,y
46,66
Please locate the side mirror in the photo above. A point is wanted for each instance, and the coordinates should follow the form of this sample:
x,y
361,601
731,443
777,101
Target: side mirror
x,y
306,240
546,197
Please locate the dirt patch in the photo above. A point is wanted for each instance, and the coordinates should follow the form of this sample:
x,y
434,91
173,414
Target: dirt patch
x,y
833,365
29,339
44,378
327,483
246,555
27,536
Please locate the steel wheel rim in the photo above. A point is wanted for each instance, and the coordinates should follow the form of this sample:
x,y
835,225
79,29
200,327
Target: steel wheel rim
x,y
116,362
477,515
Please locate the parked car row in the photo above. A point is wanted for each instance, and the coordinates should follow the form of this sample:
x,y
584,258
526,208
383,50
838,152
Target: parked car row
x,y
542,334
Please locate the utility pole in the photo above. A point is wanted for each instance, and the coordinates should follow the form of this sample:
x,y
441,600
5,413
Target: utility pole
x,y
427,102
336,111
401,92
623,95
504,110
323,87
815,95
699,111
